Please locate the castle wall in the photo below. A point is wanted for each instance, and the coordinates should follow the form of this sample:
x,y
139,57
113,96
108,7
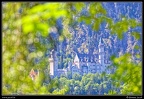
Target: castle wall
x,y
80,67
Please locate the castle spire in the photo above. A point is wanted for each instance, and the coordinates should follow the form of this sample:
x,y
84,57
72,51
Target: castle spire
x,y
76,61
101,52
100,42
53,63
76,58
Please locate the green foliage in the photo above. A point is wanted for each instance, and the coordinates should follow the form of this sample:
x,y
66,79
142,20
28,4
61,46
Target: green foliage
x,y
20,30
76,76
96,8
112,92
136,47
79,6
129,73
136,35
123,26
39,15
61,91
96,11
89,84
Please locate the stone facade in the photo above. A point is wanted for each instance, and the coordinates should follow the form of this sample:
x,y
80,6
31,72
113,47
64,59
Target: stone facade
x,y
81,66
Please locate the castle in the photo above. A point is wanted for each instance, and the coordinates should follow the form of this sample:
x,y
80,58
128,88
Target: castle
x,y
81,66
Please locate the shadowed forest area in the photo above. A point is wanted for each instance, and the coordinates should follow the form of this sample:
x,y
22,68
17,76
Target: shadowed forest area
x,y
31,30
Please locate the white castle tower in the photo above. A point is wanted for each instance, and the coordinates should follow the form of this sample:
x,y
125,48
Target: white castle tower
x,y
101,52
53,61
101,55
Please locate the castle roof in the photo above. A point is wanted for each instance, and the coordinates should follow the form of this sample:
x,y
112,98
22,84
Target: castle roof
x,y
76,58
33,73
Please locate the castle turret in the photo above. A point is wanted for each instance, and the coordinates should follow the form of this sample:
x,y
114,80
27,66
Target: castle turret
x,y
101,55
53,63
101,52
69,66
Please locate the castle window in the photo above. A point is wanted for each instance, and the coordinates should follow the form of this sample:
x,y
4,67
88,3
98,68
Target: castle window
x,y
85,69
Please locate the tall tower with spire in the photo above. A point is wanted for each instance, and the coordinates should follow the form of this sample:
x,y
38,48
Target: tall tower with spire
x,y
53,63
101,52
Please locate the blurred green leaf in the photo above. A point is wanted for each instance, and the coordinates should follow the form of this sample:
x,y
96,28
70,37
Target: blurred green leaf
x,y
79,6
44,28
96,24
138,56
136,35
28,28
136,47
132,23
